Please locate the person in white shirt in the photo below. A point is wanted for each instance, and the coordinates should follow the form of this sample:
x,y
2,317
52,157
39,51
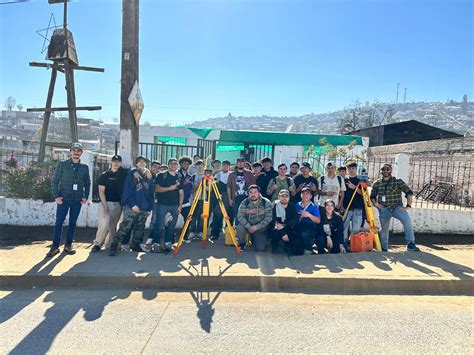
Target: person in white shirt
x,y
221,179
331,186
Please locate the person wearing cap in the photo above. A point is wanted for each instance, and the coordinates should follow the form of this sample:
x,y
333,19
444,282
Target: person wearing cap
x,y
192,167
386,196
254,216
169,196
110,185
221,178
284,220
309,219
270,173
305,179
137,199
354,217
331,186
294,169
237,186
186,181
70,187
279,183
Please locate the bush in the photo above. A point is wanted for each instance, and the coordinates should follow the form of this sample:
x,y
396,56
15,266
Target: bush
x,y
29,183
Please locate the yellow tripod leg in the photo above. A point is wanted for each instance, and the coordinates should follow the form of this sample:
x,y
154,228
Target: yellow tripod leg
x,y
350,202
187,222
226,217
371,218
205,209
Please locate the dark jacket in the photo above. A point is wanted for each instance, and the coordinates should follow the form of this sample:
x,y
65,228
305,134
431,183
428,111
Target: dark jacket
x,y
68,174
291,220
336,226
138,193
232,185
268,175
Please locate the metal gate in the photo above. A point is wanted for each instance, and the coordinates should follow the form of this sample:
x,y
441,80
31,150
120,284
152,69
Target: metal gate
x,y
256,152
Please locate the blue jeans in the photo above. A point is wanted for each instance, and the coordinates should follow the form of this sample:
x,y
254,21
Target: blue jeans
x,y
74,208
403,216
355,216
158,220
307,234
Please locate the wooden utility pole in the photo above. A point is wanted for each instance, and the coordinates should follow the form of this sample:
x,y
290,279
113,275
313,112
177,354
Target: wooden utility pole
x,y
129,130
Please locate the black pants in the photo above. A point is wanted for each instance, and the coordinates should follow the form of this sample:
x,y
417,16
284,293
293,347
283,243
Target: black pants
x,y
294,246
322,243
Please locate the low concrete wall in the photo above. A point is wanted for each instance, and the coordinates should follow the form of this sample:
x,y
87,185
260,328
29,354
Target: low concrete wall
x,y
36,213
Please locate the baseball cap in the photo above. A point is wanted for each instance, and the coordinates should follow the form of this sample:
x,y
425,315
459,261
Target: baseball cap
x,y
226,162
140,157
116,158
306,188
352,165
306,165
76,145
387,165
330,164
240,159
199,162
284,192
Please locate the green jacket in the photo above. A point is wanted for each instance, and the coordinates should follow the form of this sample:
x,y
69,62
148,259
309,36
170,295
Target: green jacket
x,y
66,176
258,213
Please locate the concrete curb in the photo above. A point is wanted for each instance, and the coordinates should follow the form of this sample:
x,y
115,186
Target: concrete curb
x,y
317,285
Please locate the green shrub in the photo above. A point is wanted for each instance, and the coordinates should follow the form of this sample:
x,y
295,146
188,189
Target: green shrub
x,y
29,183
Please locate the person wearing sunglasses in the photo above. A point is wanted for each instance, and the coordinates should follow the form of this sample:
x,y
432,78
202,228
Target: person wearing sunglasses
x,y
386,195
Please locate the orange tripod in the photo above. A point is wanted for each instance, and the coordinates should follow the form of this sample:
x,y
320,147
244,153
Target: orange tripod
x,y
206,185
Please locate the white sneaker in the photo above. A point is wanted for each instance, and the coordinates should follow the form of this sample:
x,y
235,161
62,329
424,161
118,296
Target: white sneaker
x,y
146,248
149,241
168,246
168,219
191,237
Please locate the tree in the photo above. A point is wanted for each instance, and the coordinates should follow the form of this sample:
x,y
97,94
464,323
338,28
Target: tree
x,y
357,117
19,107
10,103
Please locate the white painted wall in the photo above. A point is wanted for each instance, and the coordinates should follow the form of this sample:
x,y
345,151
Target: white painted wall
x,y
36,213
287,154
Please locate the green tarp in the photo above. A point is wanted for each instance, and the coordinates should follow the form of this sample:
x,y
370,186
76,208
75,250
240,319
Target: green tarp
x,y
288,139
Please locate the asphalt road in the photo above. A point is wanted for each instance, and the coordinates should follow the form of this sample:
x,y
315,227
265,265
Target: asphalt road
x,y
77,321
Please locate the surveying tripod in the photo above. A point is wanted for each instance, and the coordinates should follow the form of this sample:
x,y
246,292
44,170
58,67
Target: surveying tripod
x,y
206,185
362,185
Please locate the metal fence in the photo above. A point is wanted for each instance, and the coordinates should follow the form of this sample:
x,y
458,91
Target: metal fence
x,y
371,165
441,183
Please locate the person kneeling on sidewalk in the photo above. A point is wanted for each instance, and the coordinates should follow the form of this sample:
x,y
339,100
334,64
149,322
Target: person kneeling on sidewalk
x,y
330,237
254,215
284,219
138,200
309,220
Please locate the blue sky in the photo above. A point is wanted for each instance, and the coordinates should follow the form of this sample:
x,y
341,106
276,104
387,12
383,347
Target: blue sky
x,y
201,59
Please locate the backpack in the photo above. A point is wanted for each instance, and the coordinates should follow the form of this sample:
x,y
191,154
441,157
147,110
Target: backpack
x,y
288,181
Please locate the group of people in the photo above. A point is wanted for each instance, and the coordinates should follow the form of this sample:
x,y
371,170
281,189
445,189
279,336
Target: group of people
x,y
292,211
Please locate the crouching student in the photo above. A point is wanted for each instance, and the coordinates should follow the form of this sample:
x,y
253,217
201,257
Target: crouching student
x,y
284,220
309,219
138,200
254,215
331,232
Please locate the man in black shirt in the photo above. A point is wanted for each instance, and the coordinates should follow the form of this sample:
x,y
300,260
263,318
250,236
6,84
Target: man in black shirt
x,y
110,192
354,214
260,178
284,220
305,179
294,170
270,173
170,200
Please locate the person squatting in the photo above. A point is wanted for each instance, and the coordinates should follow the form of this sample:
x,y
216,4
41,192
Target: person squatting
x,y
284,210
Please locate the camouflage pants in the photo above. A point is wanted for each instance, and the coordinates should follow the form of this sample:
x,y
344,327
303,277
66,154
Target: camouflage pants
x,y
132,221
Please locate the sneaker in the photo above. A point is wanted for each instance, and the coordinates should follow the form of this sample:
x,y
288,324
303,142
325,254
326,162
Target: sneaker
x,y
149,241
125,247
214,238
191,237
308,252
412,247
242,246
199,236
156,248
168,246
168,219
186,239
146,248
95,249
52,252
113,249
69,250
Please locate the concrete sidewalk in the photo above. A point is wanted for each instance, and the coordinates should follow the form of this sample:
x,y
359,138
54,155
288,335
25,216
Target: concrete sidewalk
x,y
218,267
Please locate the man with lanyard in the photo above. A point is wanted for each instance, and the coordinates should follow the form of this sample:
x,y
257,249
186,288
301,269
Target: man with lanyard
x,y
307,226
238,184
331,186
70,187
294,169
170,200
221,179
354,214
386,196
305,179
269,172
110,192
